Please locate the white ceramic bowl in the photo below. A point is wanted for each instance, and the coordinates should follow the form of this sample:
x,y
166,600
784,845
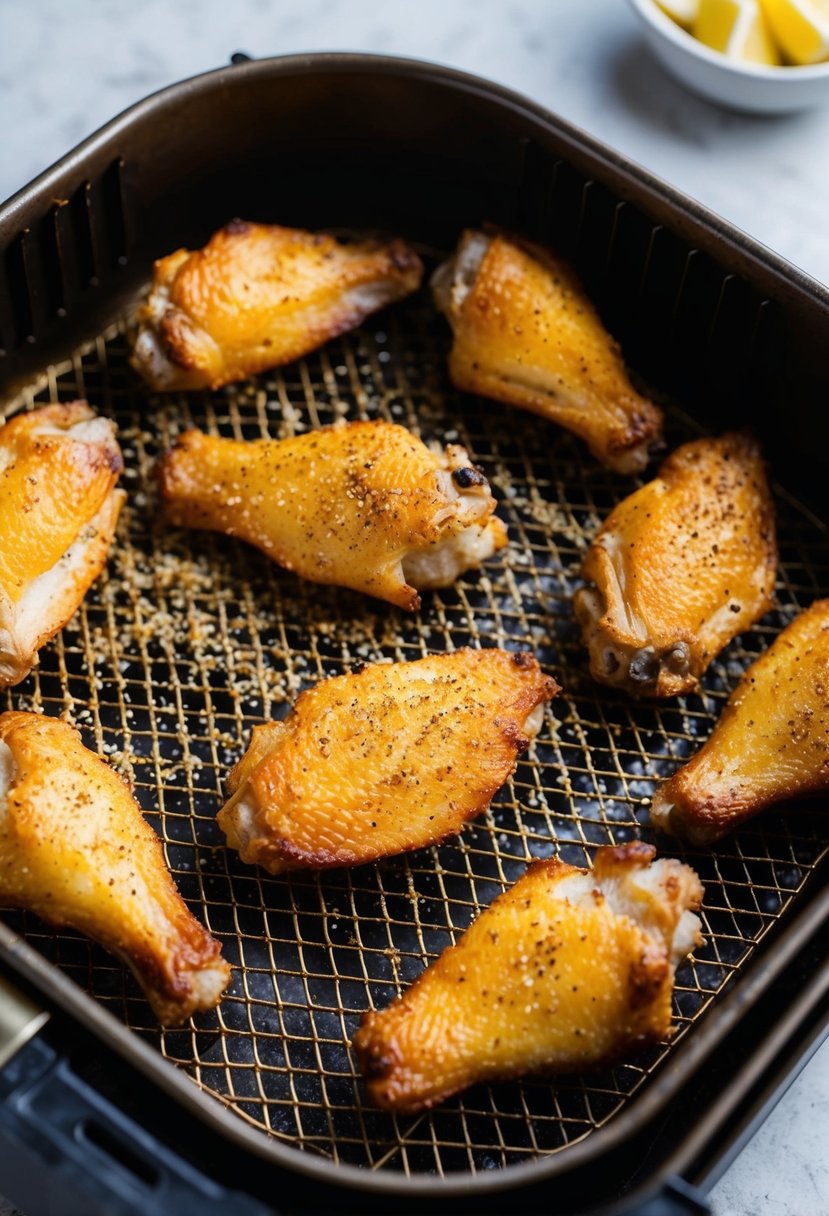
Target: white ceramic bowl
x,y
739,86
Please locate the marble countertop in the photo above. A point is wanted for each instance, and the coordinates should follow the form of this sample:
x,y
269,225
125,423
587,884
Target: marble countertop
x,y
66,68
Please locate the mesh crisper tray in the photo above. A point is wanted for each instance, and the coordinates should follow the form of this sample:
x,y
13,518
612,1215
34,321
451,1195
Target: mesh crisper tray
x,y
191,638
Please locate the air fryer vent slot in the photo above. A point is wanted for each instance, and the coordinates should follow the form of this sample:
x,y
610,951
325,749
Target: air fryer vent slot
x,y
16,308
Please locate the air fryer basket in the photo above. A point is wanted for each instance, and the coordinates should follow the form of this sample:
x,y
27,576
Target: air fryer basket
x,y
190,639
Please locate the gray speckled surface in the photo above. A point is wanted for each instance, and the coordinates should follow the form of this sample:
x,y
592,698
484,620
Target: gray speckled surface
x,y
66,66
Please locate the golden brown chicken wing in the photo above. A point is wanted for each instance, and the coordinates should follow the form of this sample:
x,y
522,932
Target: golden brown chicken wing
x,y
387,759
567,970
75,849
679,568
771,743
257,296
526,334
364,505
59,466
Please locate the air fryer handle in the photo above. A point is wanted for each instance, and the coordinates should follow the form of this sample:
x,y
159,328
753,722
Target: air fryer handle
x,y
65,1147
676,1198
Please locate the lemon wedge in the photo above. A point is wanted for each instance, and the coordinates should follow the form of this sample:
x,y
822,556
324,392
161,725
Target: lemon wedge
x,y
683,12
801,28
738,29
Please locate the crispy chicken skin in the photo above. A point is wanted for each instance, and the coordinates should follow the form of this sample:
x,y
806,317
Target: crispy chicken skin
x,y
679,568
257,296
364,505
526,334
567,970
771,742
76,850
59,466
390,758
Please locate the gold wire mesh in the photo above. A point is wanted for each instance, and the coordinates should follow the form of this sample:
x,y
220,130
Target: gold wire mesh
x,y
189,639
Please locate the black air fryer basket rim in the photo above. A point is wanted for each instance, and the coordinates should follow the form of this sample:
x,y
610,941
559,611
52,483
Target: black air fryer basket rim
x,y
696,224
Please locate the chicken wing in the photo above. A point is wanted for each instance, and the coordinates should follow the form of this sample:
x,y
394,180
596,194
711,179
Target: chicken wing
x,y
257,296
526,334
679,568
771,742
390,758
75,849
364,505
567,970
59,466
